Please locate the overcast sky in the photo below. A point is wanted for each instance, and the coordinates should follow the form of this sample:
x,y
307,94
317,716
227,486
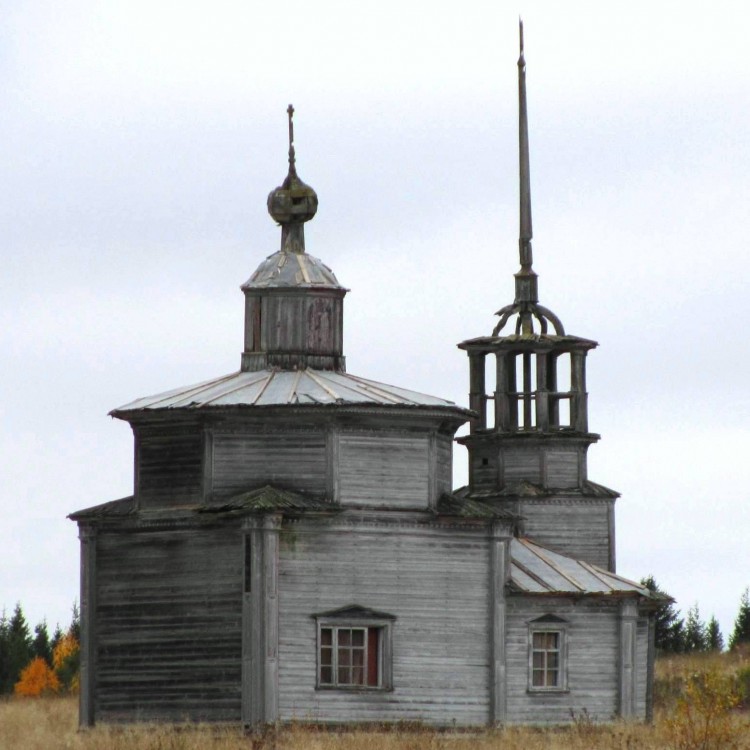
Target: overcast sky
x,y
138,142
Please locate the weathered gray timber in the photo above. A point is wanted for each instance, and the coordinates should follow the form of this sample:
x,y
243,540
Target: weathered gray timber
x,y
168,464
293,548
592,638
576,526
433,578
290,458
167,624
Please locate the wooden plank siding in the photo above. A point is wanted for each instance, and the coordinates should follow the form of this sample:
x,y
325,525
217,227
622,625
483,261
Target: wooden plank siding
x,y
522,464
300,323
641,668
578,528
384,470
562,468
296,460
443,464
169,466
434,581
168,624
592,660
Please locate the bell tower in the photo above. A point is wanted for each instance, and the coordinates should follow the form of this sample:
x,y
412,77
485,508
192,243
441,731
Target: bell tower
x,y
529,440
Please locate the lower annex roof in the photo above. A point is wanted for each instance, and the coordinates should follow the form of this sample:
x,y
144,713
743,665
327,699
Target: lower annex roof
x,y
538,570
278,387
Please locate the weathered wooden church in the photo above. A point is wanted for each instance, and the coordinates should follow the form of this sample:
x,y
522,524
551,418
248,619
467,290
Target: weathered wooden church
x,y
294,550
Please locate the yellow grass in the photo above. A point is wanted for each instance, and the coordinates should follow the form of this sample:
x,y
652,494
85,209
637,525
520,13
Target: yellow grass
x,y
51,723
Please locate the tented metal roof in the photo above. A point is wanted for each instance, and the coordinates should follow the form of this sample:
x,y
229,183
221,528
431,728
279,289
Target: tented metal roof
x,y
538,570
274,387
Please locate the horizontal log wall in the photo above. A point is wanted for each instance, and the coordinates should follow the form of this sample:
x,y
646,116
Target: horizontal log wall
x,y
168,466
296,460
641,661
592,661
522,464
444,464
562,468
384,470
435,582
168,625
577,528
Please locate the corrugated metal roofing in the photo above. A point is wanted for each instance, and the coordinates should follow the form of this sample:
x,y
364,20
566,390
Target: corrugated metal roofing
x,y
277,387
537,570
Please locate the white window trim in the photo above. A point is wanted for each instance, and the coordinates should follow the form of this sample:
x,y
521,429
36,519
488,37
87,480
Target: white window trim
x,y
541,626
385,657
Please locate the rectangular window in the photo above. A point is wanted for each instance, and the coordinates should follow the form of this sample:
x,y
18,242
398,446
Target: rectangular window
x,y
545,659
350,657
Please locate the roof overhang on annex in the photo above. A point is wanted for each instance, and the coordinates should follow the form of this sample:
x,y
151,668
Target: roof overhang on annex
x,y
538,571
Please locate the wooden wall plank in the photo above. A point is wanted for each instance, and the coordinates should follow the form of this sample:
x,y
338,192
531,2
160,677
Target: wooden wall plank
x,y
168,625
169,467
435,583
592,652
577,528
296,460
384,470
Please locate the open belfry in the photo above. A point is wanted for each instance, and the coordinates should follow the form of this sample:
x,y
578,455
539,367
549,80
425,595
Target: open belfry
x,y
294,550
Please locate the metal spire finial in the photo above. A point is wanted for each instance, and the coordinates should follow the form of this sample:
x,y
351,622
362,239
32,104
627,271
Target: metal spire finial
x,y
525,234
292,203
292,167
526,304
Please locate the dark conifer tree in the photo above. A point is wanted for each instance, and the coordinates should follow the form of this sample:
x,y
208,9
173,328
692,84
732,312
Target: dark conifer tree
x,y
695,631
75,623
20,650
741,633
41,645
56,636
715,640
4,652
670,635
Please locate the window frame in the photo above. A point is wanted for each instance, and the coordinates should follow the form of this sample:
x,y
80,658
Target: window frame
x,y
558,626
357,621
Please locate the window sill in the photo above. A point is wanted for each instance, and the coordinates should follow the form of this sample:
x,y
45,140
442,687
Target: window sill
x,y
547,691
354,688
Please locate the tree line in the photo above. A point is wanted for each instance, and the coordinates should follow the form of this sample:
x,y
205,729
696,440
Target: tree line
x,y
35,662
683,635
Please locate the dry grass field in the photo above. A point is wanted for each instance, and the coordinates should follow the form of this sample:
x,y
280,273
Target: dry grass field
x,y
51,723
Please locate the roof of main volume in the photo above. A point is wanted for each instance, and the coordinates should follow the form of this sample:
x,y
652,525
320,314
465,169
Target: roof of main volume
x,y
285,387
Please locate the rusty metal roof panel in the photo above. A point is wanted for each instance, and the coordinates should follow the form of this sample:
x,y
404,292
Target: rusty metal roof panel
x,y
535,569
279,387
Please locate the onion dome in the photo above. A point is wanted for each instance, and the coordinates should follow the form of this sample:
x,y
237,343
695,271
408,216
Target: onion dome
x,y
293,202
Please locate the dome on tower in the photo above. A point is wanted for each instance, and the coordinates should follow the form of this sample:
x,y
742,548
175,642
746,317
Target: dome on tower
x,y
285,269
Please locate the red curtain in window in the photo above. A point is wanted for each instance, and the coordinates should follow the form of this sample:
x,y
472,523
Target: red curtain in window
x,y
372,656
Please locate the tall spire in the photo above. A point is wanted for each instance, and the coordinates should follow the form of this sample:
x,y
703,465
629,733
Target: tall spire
x,y
526,279
526,304
292,203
